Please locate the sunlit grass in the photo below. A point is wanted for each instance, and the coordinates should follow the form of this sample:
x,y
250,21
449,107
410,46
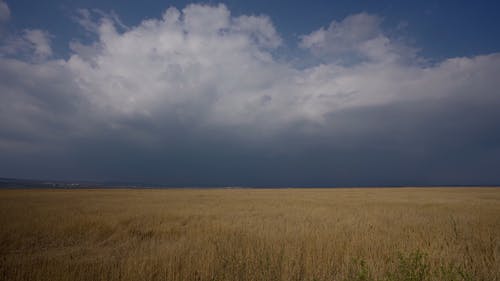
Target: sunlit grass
x,y
250,234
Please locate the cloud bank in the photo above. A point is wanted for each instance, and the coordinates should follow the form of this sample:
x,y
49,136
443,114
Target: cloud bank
x,y
199,96
4,12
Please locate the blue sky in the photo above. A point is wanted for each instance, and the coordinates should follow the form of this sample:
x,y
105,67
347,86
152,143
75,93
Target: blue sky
x,y
440,29
255,93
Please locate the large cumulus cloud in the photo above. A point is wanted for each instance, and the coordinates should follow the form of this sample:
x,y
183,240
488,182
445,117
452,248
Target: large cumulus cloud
x,y
4,12
199,97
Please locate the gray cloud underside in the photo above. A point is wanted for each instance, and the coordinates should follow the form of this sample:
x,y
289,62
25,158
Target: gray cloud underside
x,y
198,97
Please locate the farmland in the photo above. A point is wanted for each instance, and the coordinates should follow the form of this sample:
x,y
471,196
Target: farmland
x,y
250,234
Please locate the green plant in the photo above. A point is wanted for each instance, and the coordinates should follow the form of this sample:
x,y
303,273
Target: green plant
x,y
411,267
358,271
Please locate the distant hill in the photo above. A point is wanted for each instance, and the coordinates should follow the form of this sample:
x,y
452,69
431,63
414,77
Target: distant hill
x,y
33,183
30,183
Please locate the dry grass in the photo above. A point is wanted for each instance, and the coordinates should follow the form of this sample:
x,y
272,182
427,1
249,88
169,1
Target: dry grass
x,y
290,234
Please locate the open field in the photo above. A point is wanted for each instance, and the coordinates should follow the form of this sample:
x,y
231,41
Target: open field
x,y
251,234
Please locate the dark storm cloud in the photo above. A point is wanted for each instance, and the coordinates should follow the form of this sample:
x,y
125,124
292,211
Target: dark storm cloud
x,y
197,98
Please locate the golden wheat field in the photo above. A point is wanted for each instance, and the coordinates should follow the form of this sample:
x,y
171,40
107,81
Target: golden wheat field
x,y
251,234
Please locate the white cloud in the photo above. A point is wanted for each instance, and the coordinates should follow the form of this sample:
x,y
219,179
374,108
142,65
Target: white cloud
x,y
199,60
4,12
32,43
260,28
204,68
84,18
356,38
90,19
39,42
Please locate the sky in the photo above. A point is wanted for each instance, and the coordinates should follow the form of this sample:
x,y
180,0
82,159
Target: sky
x,y
251,93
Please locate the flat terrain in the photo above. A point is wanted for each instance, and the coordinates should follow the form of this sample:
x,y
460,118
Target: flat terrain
x,y
251,234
